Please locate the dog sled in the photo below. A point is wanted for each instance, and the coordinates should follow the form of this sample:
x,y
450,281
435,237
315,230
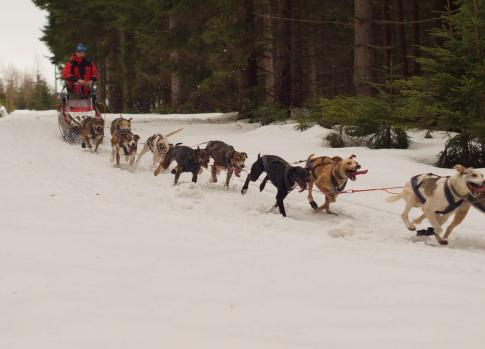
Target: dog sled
x,y
70,112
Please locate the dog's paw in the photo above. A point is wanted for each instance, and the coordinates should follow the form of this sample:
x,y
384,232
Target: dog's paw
x,y
313,204
244,191
411,228
173,171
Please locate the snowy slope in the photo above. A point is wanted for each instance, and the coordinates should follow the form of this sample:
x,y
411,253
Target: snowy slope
x,y
97,257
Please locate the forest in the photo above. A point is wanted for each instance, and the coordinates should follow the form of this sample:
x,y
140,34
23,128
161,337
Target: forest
x,y
370,69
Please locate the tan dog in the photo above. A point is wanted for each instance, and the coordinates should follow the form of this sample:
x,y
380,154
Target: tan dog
x,y
439,197
126,141
461,212
330,175
158,145
120,124
91,129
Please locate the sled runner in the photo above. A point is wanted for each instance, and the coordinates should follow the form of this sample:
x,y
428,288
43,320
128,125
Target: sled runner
x,y
71,110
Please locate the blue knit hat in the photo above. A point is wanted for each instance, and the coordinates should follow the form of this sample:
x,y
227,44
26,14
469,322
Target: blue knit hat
x,y
81,48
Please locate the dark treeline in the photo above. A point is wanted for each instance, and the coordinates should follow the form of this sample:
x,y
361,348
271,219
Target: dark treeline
x,y
206,55
370,69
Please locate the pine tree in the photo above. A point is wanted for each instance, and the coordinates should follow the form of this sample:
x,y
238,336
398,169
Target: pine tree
x,y
450,95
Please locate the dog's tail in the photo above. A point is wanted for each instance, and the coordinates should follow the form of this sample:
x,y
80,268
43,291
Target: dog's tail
x,y
394,198
310,157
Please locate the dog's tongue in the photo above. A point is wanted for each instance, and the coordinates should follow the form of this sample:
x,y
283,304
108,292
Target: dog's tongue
x,y
478,189
363,172
237,172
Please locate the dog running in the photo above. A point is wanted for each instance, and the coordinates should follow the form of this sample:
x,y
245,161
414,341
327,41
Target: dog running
x,y
120,124
281,174
158,145
188,160
438,197
91,129
227,158
330,176
126,141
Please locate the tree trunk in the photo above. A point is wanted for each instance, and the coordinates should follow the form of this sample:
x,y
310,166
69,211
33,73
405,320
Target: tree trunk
x,y
268,57
175,80
362,49
115,89
401,37
386,35
248,72
416,38
297,53
283,55
312,71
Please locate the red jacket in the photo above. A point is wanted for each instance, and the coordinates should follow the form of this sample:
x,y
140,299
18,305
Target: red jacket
x,y
77,69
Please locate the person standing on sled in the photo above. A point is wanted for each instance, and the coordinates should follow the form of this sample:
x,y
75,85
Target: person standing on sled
x,y
80,73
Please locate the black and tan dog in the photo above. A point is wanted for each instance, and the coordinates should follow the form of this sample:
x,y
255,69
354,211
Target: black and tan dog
x,y
124,140
158,145
120,124
227,158
91,129
283,176
330,175
188,160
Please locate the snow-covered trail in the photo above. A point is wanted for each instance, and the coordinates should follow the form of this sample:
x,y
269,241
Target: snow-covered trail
x,y
97,257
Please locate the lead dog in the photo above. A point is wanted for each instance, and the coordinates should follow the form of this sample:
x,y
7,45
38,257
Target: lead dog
x,y
124,140
225,157
91,129
158,145
283,176
438,197
188,160
330,175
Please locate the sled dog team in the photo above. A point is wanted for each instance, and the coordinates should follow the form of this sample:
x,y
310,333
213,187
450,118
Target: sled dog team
x,y
438,197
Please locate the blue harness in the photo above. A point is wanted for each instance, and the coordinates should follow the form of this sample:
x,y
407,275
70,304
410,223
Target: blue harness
x,y
452,204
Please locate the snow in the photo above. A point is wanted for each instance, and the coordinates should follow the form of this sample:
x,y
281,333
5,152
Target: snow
x,y
3,111
97,257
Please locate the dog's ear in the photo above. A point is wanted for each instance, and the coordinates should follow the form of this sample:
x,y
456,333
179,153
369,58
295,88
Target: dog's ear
x,y
121,117
130,119
137,138
245,155
459,168
353,156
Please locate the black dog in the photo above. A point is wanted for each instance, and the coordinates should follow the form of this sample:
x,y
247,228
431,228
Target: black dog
x,y
283,176
188,160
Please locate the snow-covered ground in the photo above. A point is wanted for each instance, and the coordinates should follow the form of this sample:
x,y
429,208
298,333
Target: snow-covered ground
x,y
97,257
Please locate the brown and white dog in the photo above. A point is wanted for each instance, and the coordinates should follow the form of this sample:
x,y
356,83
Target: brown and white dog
x,y
91,129
330,175
120,124
439,197
158,145
124,140
227,158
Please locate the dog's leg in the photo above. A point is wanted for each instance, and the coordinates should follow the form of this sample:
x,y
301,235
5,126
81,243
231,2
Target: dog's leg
x,y
256,170
419,220
167,160
132,159
280,197
326,205
98,142
214,173
117,156
228,177
178,171
194,176
311,201
459,217
263,183
431,216
405,216
143,151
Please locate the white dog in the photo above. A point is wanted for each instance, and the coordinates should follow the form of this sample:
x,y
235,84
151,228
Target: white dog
x,y
438,196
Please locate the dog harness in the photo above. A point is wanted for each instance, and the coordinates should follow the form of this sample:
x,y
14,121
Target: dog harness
x,y
309,165
452,204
